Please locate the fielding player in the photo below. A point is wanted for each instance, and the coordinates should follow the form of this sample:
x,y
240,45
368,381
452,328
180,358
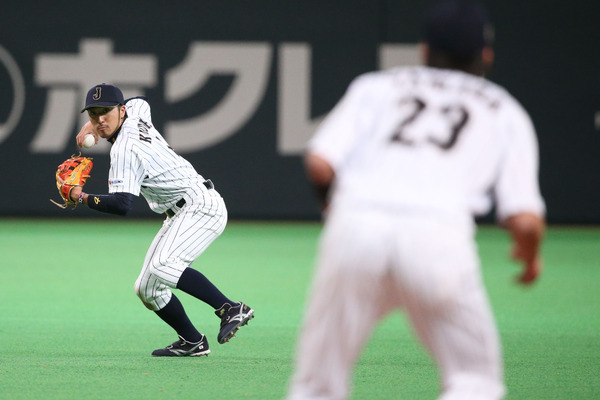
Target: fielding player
x,y
141,162
411,154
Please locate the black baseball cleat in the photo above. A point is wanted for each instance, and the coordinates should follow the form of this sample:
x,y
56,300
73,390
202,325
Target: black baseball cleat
x,y
183,348
232,318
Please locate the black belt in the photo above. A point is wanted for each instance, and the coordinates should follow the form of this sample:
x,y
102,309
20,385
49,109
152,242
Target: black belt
x,y
207,183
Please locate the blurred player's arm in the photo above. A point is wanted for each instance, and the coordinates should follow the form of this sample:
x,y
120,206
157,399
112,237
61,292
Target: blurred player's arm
x,y
520,206
320,174
335,138
527,231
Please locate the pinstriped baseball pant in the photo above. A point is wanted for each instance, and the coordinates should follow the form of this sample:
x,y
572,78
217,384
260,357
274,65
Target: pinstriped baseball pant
x,y
370,264
180,241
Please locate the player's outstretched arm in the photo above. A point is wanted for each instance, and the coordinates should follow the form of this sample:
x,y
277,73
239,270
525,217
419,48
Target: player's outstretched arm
x,y
119,203
527,231
85,130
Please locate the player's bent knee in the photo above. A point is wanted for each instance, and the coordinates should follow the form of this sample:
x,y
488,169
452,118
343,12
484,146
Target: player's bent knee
x,y
167,271
140,292
153,295
138,289
148,302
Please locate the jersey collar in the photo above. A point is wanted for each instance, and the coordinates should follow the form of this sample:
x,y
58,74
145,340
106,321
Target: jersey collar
x,y
114,135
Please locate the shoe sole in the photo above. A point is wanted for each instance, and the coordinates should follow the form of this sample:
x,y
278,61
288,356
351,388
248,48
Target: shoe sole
x,y
231,333
200,354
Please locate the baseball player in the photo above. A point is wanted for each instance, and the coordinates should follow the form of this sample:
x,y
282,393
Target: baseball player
x,y
141,162
403,162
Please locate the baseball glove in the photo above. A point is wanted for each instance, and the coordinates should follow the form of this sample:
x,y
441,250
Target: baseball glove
x,y
73,172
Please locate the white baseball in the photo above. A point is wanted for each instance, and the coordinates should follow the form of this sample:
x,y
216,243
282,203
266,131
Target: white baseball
x,y
89,141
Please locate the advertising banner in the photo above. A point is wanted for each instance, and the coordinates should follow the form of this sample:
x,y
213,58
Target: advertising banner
x,y
238,88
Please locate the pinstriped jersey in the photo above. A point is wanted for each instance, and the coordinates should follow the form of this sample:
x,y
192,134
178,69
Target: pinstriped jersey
x,y
436,141
141,162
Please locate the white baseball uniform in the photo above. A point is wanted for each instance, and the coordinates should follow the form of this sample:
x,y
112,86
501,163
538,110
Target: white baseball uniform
x,y
142,162
417,151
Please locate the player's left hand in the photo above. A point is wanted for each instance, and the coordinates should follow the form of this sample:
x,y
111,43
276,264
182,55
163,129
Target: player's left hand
x,y
72,174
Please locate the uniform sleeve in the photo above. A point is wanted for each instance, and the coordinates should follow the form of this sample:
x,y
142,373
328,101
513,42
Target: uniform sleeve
x,y
127,170
138,107
338,132
517,189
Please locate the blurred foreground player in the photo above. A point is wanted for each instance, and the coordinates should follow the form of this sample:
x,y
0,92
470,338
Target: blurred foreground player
x,y
411,155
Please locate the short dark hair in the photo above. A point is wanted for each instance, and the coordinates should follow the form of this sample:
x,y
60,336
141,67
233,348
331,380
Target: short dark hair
x,y
456,32
440,59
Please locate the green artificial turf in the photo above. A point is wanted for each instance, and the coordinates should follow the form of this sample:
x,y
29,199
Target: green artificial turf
x,y
71,326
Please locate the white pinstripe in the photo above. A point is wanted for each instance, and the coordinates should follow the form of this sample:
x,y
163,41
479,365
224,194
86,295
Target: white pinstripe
x,y
178,243
143,163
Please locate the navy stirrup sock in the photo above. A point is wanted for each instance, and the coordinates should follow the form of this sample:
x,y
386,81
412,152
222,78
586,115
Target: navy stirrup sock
x,y
174,315
196,284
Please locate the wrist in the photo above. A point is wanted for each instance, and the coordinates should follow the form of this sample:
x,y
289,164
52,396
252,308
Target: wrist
x,y
82,198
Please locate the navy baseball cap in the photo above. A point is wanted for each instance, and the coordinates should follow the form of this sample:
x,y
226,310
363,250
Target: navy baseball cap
x,y
460,28
103,95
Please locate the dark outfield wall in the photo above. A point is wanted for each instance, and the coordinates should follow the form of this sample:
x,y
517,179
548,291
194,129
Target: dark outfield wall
x,y
239,86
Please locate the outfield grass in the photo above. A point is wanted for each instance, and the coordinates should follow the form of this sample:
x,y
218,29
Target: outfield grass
x,y
72,328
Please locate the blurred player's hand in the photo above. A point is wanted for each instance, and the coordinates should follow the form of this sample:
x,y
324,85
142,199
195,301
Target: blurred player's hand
x,y
532,265
527,230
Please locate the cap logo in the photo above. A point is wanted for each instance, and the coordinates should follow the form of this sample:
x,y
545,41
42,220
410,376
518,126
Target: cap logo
x,y
98,93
